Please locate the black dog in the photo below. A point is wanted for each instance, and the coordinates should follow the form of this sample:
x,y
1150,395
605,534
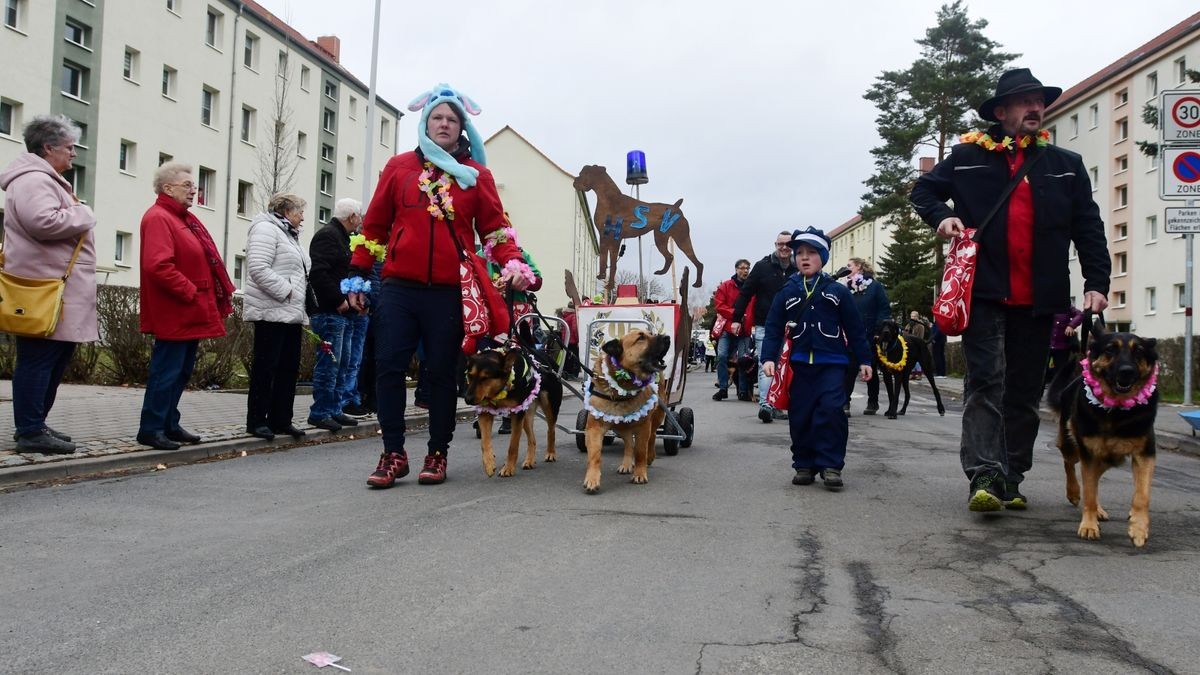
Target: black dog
x,y
902,351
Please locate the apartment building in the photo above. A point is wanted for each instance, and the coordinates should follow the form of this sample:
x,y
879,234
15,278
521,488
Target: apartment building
x,y
859,238
1103,118
222,85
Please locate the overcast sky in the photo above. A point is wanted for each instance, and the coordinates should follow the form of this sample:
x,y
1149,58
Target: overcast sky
x,y
752,112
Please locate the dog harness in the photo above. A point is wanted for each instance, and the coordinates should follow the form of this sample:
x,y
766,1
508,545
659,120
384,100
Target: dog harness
x,y
1097,397
530,377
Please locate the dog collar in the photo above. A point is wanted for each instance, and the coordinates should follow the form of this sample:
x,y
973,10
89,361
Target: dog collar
x,y
1097,397
505,412
621,419
606,369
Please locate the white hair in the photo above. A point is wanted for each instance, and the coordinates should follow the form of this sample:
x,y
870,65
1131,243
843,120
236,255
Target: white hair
x,y
344,208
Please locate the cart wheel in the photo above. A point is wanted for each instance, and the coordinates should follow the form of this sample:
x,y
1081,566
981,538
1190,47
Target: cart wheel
x,y
687,420
670,447
581,425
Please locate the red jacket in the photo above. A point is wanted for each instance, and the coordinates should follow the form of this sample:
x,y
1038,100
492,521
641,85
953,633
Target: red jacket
x,y
726,295
178,301
419,246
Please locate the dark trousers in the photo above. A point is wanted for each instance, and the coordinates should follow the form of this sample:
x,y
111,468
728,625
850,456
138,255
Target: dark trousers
x,y
818,426
939,358
851,375
36,376
405,318
1005,349
171,364
273,372
366,371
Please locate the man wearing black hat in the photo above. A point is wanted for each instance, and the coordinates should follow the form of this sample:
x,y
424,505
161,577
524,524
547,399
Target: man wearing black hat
x,y
1041,201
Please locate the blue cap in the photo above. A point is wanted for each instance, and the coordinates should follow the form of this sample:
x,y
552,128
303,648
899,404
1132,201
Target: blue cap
x,y
813,237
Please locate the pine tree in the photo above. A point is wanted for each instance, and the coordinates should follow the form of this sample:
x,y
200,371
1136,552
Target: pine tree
x,y
908,268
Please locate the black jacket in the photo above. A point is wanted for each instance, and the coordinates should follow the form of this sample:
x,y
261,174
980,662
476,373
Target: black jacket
x,y
766,278
330,253
1063,212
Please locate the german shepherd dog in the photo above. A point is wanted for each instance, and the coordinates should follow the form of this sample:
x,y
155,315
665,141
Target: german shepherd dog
x,y
906,351
634,362
499,380
1106,412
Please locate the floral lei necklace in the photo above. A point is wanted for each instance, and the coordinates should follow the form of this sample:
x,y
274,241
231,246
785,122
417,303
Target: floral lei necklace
x,y
612,372
894,367
441,204
982,139
1097,397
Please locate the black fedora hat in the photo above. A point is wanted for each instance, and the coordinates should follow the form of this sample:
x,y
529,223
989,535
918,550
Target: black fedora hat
x,y
1016,81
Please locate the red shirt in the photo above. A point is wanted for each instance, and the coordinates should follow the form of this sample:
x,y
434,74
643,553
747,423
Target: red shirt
x,y
1020,236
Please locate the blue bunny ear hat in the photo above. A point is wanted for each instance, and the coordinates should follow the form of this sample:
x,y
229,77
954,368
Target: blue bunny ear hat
x,y
462,104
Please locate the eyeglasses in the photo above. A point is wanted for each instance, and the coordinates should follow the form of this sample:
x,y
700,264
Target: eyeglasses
x,y
781,244
188,186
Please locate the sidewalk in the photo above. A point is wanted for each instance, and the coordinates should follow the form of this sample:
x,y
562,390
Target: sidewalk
x,y
103,423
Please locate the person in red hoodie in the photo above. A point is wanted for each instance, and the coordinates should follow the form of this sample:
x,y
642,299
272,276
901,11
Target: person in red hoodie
x,y
421,215
730,342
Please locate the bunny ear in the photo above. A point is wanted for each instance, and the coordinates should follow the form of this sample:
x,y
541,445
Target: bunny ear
x,y
420,101
470,106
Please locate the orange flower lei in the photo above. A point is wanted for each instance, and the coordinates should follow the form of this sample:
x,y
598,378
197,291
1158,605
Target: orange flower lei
x,y
982,139
441,204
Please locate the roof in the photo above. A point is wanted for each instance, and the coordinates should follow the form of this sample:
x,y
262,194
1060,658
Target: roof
x,y
844,226
294,36
532,146
1133,58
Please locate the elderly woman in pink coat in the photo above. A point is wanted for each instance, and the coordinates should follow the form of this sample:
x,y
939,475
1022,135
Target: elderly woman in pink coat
x,y
43,223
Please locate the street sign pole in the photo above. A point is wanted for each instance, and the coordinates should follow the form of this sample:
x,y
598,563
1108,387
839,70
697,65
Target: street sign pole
x,y
1179,124
1188,288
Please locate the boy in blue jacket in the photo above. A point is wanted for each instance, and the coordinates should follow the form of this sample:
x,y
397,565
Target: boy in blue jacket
x,y
818,315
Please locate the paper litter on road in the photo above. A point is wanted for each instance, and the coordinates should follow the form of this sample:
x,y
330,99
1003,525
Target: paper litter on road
x,y
322,659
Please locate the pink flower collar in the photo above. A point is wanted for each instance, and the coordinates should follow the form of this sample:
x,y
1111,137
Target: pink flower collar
x,y
1097,397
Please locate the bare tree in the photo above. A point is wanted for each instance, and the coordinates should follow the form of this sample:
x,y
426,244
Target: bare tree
x,y
277,157
652,288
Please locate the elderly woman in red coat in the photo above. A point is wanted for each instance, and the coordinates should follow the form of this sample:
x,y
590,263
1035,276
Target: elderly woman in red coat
x,y
185,297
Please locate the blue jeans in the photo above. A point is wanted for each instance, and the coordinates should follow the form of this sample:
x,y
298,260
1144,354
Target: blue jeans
x,y
764,382
329,373
818,426
739,345
356,338
36,376
171,364
1006,350
404,318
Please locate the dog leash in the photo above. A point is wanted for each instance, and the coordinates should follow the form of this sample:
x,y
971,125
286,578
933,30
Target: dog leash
x,y
1088,318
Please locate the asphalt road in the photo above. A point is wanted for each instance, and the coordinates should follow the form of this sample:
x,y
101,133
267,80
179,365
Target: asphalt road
x,y
718,565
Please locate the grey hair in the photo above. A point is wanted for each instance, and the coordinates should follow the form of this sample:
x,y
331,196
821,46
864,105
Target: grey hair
x,y
344,208
167,173
286,201
52,130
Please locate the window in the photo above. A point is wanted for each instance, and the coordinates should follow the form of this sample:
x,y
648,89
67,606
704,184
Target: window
x,y
250,53
301,144
331,91
326,183
329,121
305,74
127,156
1181,70
1180,298
1119,299
121,251
212,28
1053,135
1120,264
1151,229
353,108
77,33
322,215
1093,115
239,264
10,117
1121,164
245,198
206,181
83,134
1074,126
14,13
1122,196
1151,300
327,152
75,176
132,61
1122,129
74,80
281,65
1094,176
349,167
248,116
208,107
1121,98
163,158
170,76
1120,231
385,132
1152,85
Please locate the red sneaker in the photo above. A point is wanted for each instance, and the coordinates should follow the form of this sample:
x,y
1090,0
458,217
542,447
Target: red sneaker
x,y
392,465
434,471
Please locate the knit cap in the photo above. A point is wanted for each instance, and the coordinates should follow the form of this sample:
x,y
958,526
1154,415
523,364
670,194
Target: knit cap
x,y
813,237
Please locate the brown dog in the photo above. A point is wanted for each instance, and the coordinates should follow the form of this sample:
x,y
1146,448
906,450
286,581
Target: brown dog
x,y
1106,414
505,381
634,362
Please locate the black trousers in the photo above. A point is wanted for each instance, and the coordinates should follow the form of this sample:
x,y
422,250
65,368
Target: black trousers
x,y
273,374
366,371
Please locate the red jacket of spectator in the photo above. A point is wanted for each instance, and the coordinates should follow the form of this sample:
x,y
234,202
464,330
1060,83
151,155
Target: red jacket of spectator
x,y
726,295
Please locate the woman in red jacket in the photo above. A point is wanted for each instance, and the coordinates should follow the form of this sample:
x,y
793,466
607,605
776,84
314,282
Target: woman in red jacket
x,y
420,219
185,296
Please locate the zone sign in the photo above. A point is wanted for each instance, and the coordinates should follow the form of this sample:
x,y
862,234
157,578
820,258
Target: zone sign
x,y
1179,117
1180,173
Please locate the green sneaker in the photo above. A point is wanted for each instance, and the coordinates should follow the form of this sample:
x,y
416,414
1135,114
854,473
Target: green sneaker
x,y
1013,499
986,491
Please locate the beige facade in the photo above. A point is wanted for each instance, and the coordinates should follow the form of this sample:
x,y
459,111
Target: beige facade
x,y
552,220
858,238
202,82
1101,118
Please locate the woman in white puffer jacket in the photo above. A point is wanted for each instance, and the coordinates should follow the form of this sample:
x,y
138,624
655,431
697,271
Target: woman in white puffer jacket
x,y
276,290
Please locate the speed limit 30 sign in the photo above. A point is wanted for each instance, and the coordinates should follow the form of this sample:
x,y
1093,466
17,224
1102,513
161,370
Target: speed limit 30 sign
x,y
1179,117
